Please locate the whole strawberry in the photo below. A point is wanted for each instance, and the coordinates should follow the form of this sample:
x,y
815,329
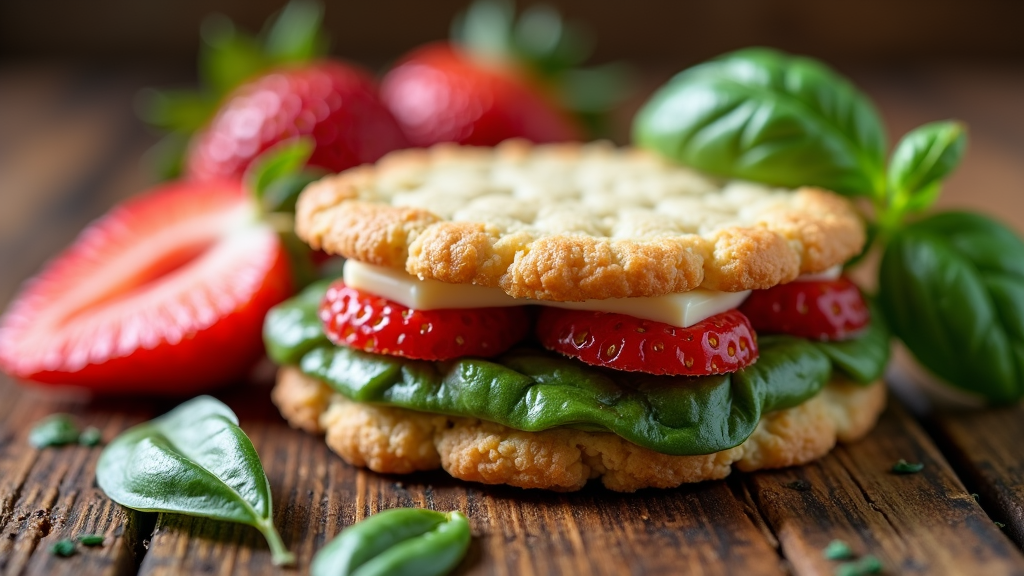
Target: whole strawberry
x,y
336,104
500,78
259,91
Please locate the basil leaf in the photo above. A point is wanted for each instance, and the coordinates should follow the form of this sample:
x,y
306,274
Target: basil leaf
x,y
762,115
293,328
411,541
532,390
923,158
193,460
54,430
952,288
863,358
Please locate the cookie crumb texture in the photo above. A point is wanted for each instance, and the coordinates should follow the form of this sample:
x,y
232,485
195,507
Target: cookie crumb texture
x,y
573,222
400,441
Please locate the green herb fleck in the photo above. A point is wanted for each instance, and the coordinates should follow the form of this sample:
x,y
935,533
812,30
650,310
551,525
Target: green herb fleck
x,y
904,467
798,485
63,548
91,539
91,436
54,430
867,565
975,496
837,550
1000,524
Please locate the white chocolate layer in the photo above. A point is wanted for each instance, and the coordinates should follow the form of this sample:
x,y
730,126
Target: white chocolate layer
x,y
683,309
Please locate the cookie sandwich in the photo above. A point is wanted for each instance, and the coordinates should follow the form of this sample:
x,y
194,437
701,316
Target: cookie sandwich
x,y
546,315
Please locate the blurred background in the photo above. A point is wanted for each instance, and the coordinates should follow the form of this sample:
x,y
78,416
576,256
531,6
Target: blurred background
x,y
71,146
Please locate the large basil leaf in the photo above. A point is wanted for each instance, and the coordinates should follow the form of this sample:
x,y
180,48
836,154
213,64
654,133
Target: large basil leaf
x,y
952,288
762,115
193,460
533,390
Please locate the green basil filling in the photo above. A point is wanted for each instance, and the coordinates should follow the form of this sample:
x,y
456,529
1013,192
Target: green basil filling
x,y
530,389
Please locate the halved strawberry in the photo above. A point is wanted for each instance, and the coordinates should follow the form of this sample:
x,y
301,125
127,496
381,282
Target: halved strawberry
x,y
164,295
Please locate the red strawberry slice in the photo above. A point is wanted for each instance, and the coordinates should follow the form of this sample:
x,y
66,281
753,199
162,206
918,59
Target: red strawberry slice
x,y
334,103
164,295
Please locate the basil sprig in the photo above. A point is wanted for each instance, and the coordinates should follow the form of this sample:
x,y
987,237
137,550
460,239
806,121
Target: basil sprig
x,y
948,286
193,460
400,541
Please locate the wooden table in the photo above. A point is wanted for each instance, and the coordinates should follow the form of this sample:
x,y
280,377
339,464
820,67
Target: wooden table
x,y
69,148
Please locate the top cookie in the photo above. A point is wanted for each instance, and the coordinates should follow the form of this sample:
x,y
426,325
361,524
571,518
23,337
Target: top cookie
x,y
573,222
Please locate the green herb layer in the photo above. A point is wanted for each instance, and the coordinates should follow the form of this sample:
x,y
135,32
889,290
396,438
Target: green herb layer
x,y
532,390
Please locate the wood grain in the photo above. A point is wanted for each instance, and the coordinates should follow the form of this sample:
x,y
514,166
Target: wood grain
x,y
49,495
924,523
979,445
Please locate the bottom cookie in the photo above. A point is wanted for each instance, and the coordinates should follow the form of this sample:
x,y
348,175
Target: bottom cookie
x,y
400,441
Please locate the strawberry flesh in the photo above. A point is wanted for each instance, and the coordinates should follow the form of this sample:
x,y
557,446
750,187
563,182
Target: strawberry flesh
x,y
722,343
373,324
165,295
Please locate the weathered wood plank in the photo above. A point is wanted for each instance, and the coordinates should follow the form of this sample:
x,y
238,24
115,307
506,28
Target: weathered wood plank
x,y
924,523
49,495
984,448
703,529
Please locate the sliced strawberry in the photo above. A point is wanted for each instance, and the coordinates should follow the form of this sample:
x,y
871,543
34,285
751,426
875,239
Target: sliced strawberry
x,y
374,324
722,343
823,310
333,102
164,294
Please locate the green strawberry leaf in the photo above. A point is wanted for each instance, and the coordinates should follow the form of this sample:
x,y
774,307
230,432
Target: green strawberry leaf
x,y
227,56
295,35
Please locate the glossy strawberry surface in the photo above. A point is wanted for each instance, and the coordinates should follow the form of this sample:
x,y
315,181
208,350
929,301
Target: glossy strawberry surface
x,y
336,104
822,310
722,343
164,295
442,93
374,324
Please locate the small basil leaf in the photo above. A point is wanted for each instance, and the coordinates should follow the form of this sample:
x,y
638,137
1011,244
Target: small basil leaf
x,y
293,328
193,460
54,430
923,158
400,541
762,115
863,358
295,35
952,288
278,162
